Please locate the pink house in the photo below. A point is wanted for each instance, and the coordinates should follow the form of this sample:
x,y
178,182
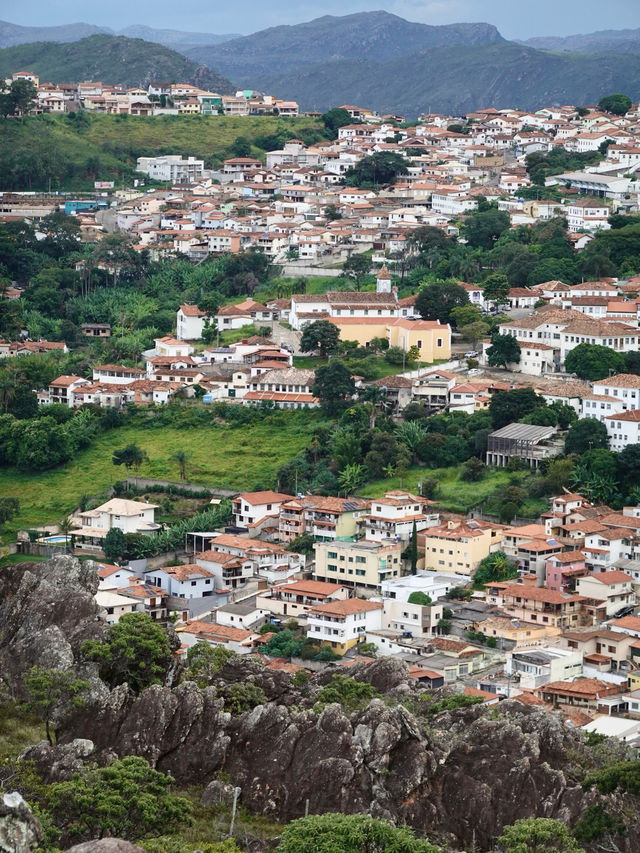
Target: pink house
x,y
562,570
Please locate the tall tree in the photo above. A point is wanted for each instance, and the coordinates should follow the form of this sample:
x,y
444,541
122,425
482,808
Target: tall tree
x,y
436,301
334,386
355,268
504,350
320,336
136,652
51,692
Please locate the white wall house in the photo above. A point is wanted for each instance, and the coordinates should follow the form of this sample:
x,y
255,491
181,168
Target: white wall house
x,y
343,624
623,429
189,323
172,168
128,516
189,581
614,587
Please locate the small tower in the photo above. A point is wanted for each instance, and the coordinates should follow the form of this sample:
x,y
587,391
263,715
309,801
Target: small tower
x,y
383,281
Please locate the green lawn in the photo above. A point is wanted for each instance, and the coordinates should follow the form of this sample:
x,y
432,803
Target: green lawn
x,y
453,493
223,456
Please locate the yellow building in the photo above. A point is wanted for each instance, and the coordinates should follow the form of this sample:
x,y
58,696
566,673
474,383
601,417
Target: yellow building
x,y
458,546
432,339
361,329
358,563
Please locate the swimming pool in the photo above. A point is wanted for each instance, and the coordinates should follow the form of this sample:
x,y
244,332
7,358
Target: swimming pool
x,y
55,540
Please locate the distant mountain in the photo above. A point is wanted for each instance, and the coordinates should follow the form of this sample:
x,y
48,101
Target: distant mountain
x,y
457,80
110,59
14,34
175,38
603,41
375,36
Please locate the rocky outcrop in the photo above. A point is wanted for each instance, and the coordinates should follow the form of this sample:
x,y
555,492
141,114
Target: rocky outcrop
x,y
20,831
461,775
47,610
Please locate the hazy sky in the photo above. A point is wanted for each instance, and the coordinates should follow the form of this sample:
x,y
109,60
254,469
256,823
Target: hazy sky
x,y
514,19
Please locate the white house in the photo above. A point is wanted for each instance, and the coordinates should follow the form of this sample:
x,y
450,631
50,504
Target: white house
x,y
343,624
190,323
250,508
168,345
623,428
189,581
613,587
393,517
128,516
226,571
114,604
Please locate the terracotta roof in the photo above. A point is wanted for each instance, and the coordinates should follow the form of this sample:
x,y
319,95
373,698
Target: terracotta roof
x,y
534,593
187,572
610,577
259,498
631,623
192,311
347,607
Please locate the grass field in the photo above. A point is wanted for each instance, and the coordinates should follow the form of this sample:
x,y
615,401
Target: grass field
x,y
453,494
49,146
223,456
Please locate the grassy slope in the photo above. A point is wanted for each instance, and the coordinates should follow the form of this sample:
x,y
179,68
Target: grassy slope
x,y
454,494
118,140
221,456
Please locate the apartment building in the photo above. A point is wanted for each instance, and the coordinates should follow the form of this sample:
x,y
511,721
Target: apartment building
x,y
362,563
343,624
459,545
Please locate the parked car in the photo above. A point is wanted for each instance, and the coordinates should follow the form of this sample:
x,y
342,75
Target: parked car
x,y
471,354
624,611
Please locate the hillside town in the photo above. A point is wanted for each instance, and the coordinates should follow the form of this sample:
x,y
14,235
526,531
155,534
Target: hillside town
x,y
352,550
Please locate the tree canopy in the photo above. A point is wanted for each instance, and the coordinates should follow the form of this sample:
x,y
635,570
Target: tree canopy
x,y
136,652
320,336
586,434
380,168
617,104
483,227
504,350
592,361
507,407
334,386
537,835
127,799
436,301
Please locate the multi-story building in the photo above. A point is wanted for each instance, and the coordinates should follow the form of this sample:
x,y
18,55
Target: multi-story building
x,y
324,518
458,546
295,599
541,665
250,508
190,323
392,518
364,564
614,588
343,624
544,607
172,167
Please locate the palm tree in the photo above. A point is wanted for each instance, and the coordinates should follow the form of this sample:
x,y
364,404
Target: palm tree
x,y
66,526
181,457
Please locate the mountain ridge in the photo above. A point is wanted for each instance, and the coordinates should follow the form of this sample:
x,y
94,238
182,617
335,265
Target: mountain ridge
x,y
12,35
601,41
365,35
115,60
455,81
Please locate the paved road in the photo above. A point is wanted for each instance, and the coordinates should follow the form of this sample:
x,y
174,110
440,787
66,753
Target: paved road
x,y
282,335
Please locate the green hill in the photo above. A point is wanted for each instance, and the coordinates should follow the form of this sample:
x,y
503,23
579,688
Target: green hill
x,y
111,59
376,36
457,80
77,149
